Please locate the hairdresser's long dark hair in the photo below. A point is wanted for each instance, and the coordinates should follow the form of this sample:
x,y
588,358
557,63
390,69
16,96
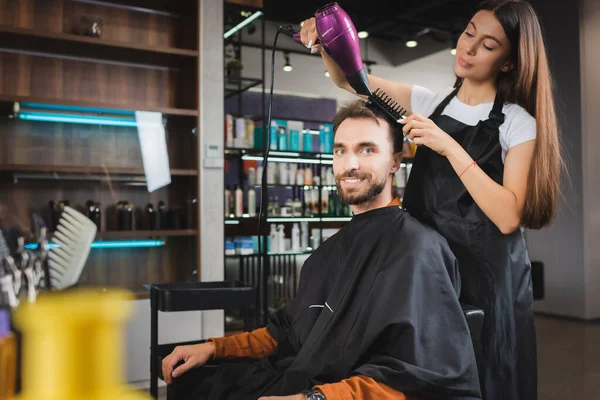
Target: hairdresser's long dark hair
x,y
529,84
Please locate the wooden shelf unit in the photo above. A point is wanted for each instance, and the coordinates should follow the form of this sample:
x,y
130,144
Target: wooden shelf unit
x,y
146,59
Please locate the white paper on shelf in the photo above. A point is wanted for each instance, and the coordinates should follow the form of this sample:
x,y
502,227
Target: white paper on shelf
x,y
153,144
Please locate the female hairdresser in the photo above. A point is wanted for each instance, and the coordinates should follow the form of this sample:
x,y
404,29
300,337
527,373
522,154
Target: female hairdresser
x,y
488,162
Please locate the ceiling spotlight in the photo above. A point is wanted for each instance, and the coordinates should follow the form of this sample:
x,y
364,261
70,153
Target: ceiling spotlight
x,y
411,43
287,67
363,34
327,73
453,51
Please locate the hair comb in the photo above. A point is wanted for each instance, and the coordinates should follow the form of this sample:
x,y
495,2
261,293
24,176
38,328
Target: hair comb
x,y
394,110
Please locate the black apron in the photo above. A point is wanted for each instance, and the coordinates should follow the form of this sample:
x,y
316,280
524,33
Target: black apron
x,y
495,270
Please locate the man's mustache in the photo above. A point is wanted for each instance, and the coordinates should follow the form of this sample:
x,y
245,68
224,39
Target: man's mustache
x,y
353,174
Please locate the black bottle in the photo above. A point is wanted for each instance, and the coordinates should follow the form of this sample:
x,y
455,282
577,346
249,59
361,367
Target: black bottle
x,y
153,217
162,213
93,212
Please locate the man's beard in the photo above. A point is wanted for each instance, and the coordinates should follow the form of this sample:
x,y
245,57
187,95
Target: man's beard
x,y
352,199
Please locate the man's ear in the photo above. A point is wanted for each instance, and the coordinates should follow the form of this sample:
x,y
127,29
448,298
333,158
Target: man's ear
x,y
397,160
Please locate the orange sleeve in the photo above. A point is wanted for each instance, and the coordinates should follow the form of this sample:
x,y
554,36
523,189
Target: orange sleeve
x,y
361,387
256,344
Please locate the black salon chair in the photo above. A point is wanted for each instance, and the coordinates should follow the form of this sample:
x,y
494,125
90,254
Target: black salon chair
x,y
182,386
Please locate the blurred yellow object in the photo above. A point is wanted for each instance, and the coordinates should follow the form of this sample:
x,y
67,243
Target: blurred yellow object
x,y
73,346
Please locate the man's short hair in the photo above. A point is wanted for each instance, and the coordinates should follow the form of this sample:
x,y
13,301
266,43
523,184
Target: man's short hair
x,y
360,109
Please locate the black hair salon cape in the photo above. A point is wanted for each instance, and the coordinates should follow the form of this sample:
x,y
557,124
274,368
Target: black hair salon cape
x,y
379,298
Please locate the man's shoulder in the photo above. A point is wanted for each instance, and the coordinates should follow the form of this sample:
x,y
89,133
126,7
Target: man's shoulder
x,y
418,235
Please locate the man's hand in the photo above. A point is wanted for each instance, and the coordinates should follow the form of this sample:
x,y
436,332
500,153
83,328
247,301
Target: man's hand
x,y
193,356
293,397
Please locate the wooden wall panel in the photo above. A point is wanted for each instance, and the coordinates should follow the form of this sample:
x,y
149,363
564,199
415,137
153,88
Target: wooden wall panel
x,y
60,79
32,14
124,25
63,144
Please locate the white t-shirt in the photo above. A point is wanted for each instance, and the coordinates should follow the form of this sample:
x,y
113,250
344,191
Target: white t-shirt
x,y
518,127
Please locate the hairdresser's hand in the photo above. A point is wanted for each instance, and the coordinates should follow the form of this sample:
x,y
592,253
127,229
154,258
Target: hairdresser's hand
x,y
308,35
193,356
424,132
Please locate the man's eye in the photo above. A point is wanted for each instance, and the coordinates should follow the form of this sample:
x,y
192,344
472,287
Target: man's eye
x,y
339,152
368,151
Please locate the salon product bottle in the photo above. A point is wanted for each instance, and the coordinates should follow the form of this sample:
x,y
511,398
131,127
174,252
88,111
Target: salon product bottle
x,y
297,207
292,173
162,215
276,206
308,202
249,133
330,176
271,173
93,212
251,202
308,175
295,237
228,195
315,201
282,139
240,133
251,176
324,201
331,206
283,174
300,176
121,218
294,140
239,201
53,215
280,238
152,216
259,174
304,235
273,240
8,357
273,133
229,130
129,211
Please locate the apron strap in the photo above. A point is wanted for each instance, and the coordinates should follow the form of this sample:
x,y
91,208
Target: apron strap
x,y
496,117
438,110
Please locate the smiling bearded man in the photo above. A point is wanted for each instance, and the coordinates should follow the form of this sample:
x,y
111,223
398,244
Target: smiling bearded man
x,y
377,314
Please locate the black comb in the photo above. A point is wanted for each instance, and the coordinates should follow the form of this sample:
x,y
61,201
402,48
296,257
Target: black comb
x,y
394,110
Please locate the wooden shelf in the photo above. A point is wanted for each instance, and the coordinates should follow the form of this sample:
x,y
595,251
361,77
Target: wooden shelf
x,y
68,169
91,104
141,234
66,45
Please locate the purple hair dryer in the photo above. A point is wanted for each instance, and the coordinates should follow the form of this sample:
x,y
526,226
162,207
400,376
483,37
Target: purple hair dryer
x,y
339,38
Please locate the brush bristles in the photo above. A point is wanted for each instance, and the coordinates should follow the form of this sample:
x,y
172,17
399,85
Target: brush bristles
x,y
387,104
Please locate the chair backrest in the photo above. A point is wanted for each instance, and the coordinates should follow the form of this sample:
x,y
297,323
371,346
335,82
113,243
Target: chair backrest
x,y
475,318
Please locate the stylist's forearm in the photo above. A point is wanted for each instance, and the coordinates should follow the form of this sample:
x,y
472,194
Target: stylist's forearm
x,y
336,74
497,202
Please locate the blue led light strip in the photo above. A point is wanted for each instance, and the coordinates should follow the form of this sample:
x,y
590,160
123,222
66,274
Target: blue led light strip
x,y
82,119
117,244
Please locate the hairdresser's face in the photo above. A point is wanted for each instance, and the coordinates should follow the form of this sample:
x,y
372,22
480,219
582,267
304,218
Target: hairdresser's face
x,y
483,49
363,160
